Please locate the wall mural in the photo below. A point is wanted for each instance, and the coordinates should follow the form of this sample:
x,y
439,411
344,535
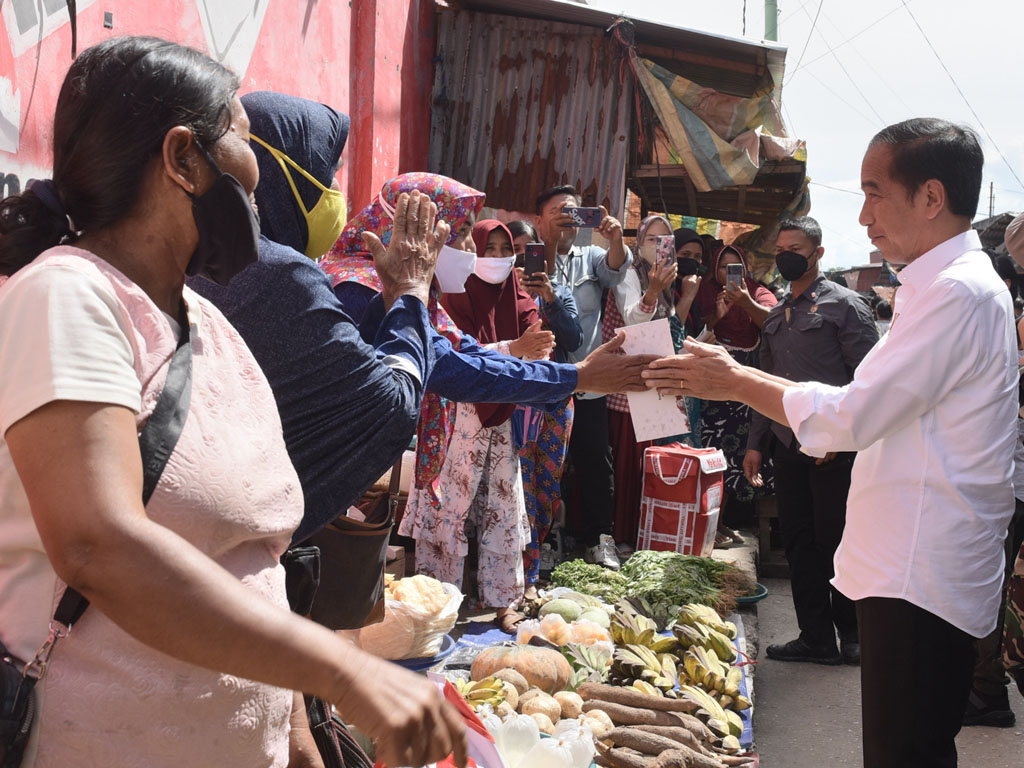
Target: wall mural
x,y
232,28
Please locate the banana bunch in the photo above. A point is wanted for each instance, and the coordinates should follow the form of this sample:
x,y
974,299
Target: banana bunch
x,y
490,690
704,669
702,636
722,722
662,615
591,662
644,687
638,662
631,628
695,613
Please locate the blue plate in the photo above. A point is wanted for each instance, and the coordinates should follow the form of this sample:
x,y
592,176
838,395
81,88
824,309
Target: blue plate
x,y
760,593
426,662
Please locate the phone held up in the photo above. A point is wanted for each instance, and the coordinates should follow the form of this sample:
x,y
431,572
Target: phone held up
x,y
534,260
587,218
734,275
665,249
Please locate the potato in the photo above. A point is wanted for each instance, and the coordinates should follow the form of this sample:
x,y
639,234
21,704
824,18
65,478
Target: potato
x,y
545,705
525,697
601,717
544,724
571,703
596,727
510,675
504,710
511,694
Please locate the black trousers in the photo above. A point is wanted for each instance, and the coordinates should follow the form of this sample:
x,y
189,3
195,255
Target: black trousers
x,y
915,674
591,455
812,514
990,677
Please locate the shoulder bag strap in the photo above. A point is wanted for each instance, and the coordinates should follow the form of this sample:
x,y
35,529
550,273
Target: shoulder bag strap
x,y
156,443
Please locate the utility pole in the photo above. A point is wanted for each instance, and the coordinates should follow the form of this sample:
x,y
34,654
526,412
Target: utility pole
x,y
991,200
771,20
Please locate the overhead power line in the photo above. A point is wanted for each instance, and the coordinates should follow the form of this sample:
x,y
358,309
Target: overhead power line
x,y
845,72
808,40
866,61
835,93
848,40
835,189
962,96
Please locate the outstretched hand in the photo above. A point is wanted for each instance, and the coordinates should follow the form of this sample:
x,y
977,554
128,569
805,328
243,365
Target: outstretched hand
x,y
406,266
703,371
607,370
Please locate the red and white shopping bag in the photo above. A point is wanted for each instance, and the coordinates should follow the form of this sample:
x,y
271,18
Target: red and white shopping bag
x,y
681,498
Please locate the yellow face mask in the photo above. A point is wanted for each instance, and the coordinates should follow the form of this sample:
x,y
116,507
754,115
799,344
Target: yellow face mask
x,y
327,218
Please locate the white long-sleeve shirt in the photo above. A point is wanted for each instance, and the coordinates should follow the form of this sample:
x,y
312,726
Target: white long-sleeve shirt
x,y
932,410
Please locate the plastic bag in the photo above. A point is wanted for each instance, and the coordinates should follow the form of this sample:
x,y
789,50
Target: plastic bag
x,y
550,753
516,737
408,632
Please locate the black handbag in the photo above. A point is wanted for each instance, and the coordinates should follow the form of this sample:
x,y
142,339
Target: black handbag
x,y
353,556
156,443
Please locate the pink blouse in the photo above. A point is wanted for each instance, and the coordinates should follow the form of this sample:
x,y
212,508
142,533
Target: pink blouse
x,y
230,490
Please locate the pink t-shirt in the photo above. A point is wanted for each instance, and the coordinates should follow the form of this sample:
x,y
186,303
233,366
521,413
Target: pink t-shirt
x,y
229,489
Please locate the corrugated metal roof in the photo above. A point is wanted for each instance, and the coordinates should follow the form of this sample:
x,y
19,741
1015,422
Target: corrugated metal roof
x,y
521,104
717,61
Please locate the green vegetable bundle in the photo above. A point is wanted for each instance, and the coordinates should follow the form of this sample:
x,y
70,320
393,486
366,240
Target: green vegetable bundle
x,y
590,579
666,580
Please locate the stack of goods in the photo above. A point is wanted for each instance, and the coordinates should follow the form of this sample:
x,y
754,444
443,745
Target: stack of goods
x,y
419,612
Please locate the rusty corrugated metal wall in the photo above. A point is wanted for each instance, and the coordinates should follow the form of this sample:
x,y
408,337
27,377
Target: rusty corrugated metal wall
x,y
522,104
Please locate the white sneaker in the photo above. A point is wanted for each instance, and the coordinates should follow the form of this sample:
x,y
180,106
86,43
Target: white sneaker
x,y
604,554
547,559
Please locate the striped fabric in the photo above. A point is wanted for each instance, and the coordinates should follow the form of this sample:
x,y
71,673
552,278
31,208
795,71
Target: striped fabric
x,y
716,136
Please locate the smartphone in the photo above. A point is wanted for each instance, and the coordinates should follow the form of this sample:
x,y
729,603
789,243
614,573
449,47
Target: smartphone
x,y
734,274
534,260
665,249
589,218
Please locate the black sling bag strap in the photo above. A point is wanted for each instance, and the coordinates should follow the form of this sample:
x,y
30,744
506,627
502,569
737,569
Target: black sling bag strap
x,y
156,444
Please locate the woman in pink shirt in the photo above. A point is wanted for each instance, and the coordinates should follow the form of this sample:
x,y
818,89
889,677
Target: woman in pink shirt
x,y
188,654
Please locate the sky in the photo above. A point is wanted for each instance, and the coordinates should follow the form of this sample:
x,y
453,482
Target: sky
x,y
865,65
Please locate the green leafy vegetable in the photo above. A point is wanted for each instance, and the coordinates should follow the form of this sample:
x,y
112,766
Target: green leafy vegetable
x,y
666,580
589,579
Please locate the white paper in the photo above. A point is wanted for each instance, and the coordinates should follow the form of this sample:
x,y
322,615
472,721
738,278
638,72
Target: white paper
x,y
654,416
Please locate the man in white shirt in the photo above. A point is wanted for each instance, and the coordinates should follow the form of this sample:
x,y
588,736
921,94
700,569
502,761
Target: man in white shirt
x,y
931,410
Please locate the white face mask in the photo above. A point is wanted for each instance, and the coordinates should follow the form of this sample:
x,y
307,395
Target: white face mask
x,y
649,252
453,268
495,270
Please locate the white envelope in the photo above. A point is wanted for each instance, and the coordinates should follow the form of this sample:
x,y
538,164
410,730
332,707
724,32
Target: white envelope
x,y
654,416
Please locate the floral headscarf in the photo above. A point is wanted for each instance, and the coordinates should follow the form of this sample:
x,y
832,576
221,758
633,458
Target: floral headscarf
x,y
349,261
666,306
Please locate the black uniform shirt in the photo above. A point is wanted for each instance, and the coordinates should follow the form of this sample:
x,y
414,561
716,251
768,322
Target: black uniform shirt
x,y
820,335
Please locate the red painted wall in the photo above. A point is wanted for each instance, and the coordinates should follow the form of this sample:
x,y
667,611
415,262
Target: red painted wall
x,y
370,58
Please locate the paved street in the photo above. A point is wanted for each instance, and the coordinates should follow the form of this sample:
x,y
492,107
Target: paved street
x,y
808,716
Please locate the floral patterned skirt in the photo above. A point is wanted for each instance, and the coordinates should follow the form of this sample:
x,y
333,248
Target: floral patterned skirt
x,y
480,489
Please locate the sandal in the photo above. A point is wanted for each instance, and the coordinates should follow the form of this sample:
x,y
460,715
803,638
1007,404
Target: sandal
x,y
508,620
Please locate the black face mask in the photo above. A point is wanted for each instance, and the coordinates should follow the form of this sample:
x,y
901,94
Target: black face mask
x,y
229,229
792,266
686,266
